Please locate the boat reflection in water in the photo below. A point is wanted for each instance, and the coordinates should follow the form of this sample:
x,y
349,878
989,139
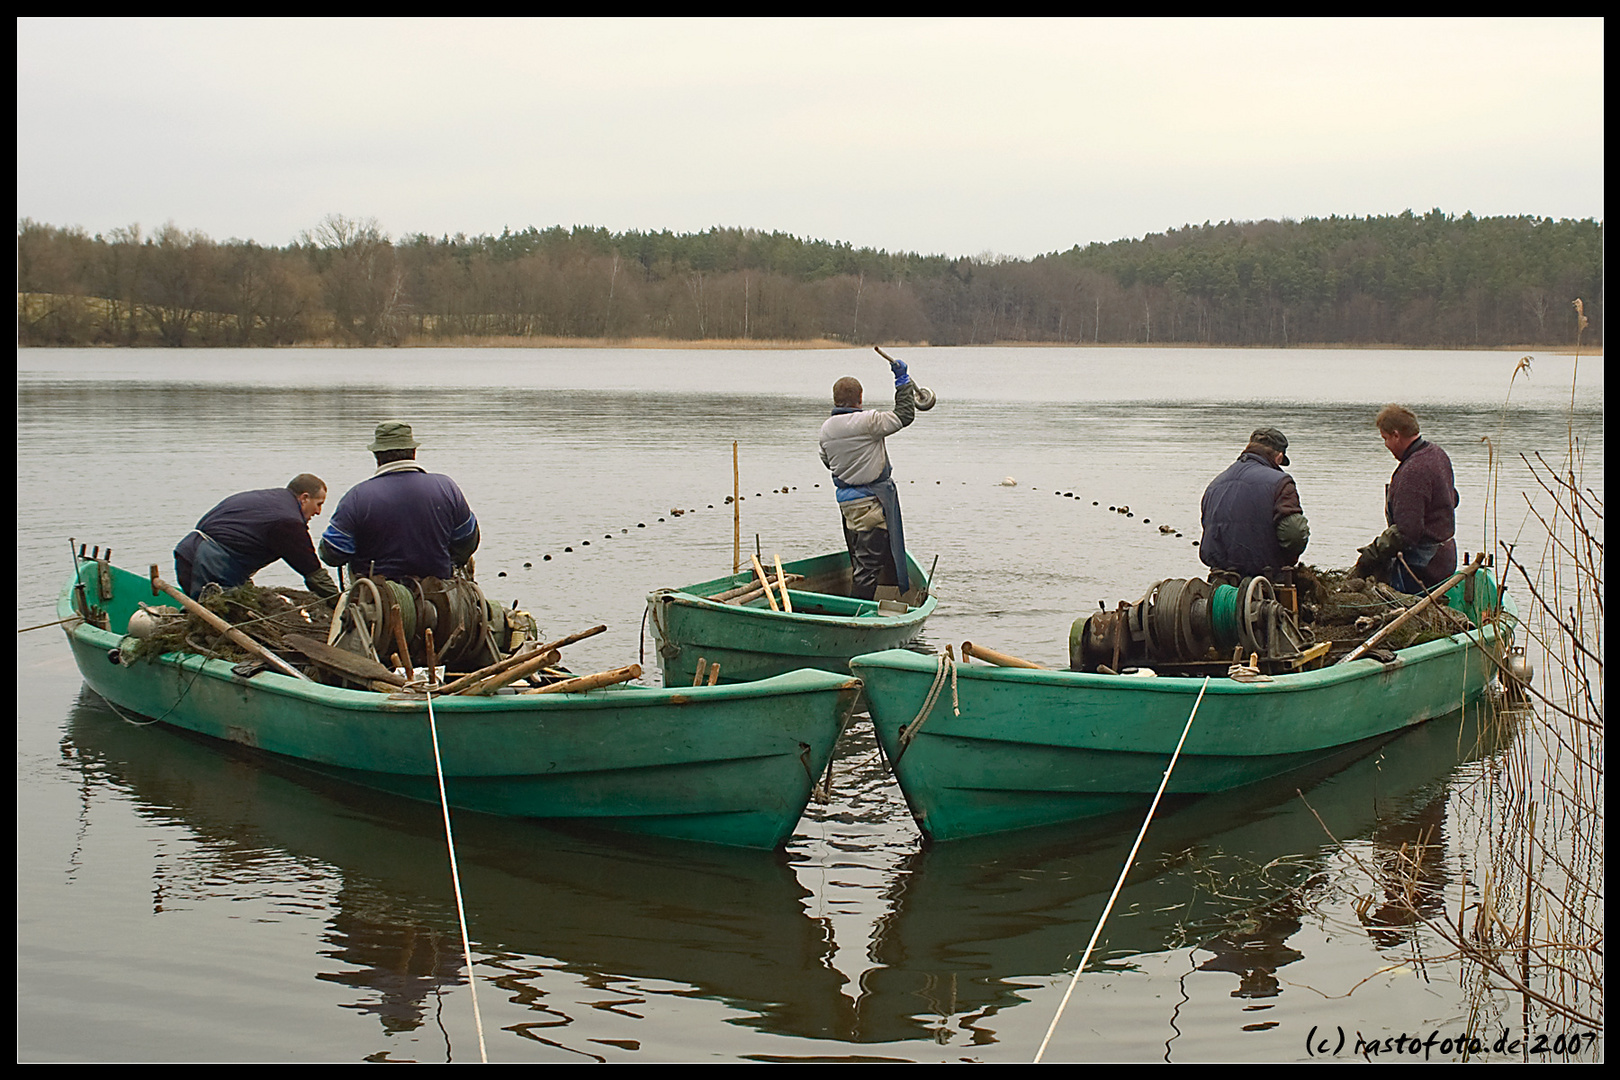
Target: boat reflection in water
x,y
967,928
974,924
728,924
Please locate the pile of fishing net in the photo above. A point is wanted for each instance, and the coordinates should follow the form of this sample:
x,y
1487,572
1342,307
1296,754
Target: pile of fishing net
x,y
266,614
1340,607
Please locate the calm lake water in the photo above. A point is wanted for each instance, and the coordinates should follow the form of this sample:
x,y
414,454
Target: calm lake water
x,y
180,901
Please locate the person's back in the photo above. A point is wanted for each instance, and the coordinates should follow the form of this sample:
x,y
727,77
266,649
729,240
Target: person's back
x,y
403,521
1252,519
402,524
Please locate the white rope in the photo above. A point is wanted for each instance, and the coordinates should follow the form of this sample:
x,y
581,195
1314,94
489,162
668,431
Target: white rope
x,y
909,731
455,879
1129,860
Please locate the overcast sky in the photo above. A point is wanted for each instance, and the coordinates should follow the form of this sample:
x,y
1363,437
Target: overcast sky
x,y
938,136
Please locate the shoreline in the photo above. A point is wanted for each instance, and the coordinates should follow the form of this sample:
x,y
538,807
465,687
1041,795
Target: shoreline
x,y
768,345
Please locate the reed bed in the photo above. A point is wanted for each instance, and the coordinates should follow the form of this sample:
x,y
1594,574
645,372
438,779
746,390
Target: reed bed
x,y
1524,917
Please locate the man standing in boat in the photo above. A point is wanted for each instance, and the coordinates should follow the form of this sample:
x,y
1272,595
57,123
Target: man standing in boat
x,y
1252,519
852,447
1418,549
404,521
250,530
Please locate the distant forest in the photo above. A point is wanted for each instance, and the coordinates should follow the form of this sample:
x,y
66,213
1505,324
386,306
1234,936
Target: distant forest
x,y
1408,279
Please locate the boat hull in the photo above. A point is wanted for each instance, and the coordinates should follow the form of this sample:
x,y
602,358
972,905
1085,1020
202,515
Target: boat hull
x,y
1037,747
750,642
724,764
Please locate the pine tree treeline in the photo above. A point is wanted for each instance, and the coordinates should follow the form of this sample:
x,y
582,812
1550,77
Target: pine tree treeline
x,y
1417,280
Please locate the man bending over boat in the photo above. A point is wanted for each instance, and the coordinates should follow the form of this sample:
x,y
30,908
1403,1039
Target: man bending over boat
x,y
250,530
1418,550
852,447
404,521
1253,523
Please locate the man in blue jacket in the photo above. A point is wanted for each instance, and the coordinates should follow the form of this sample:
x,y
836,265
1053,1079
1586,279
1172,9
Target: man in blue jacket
x,y
1252,519
250,530
404,521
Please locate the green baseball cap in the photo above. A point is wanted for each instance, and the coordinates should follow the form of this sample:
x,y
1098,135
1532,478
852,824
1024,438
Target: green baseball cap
x,y
1266,436
393,435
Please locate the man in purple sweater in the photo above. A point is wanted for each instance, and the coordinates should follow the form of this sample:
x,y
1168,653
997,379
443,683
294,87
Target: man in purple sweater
x,y
1418,550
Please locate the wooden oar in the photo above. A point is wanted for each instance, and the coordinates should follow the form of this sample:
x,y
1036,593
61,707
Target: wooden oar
x,y
350,665
590,682
1406,616
991,656
231,632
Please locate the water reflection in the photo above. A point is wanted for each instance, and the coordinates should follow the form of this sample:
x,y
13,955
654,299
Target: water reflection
x,y
971,922
729,925
966,929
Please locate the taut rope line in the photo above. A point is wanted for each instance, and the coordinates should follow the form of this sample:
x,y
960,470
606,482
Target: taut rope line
x,y
455,879
1129,859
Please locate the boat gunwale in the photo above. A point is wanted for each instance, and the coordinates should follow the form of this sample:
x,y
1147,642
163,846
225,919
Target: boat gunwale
x,y
860,622
804,680
1293,682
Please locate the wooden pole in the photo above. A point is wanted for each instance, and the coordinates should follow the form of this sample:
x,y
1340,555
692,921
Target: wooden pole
x,y
516,658
991,656
787,605
512,674
231,632
1406,616
736,512
590,682
743,593
763,580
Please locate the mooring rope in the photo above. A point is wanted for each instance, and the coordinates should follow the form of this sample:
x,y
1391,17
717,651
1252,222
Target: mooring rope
x,y
947,663
455,879
1129,860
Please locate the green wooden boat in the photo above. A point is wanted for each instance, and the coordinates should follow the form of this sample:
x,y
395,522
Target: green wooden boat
x,y
724,764
751,641
1039,747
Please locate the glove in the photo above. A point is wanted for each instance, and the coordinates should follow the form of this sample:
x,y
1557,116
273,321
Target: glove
x,y
901,375
1376,555
320,583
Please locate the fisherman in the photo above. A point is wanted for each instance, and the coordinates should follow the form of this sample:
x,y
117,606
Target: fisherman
x,y
852,447
250,530
1252,520
403,521
1418,549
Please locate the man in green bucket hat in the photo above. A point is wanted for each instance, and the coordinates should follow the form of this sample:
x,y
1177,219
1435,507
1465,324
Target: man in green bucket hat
x,y
404,521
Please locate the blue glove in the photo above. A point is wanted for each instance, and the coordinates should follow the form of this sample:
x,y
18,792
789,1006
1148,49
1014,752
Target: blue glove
x,y
901,376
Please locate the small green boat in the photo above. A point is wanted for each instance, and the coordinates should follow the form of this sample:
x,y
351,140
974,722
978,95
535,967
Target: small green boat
x,y
724,764
1033,747
752,641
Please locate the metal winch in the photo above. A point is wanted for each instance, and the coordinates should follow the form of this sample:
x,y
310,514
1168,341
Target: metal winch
x,y
1187,621
376,614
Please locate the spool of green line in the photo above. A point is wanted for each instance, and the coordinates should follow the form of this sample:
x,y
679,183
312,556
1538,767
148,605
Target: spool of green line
x,y
1223,616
